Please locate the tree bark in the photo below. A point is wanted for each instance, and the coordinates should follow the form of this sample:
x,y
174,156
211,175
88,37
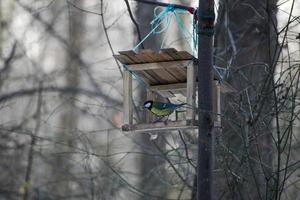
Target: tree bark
x,y
205,104
69,118
246,42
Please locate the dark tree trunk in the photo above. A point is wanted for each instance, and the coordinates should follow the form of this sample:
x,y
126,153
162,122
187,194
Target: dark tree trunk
x,y
205,104
62,169
246,42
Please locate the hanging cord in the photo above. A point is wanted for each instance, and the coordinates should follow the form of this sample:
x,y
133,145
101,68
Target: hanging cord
x,y
187,35
137,77
164,18
220,71
160,18
195,34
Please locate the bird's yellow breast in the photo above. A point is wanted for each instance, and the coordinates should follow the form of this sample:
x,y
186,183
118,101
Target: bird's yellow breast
x,y
161,112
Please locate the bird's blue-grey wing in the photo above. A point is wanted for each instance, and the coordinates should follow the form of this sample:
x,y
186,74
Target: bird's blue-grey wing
x,y
161,105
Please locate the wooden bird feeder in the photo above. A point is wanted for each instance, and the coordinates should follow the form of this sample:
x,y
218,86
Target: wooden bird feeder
x,y
166,73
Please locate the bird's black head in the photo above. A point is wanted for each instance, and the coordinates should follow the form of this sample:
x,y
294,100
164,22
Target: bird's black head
x,y
148,104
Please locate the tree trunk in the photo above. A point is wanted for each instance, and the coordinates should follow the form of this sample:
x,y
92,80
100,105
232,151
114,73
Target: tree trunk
x,y
69,118
246,43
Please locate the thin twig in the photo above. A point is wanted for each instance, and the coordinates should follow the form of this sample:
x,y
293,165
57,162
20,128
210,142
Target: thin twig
x,y
107,36
186,150
134,22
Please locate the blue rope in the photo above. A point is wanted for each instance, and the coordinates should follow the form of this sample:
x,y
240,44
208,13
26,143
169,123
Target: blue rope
x,y
195,34
186,33
163,17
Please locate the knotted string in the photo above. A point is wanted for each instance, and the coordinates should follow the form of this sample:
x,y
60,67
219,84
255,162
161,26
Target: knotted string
x,y
163,17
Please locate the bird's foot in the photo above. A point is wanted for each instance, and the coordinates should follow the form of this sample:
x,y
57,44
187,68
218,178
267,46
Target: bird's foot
x,y
157,120
166,121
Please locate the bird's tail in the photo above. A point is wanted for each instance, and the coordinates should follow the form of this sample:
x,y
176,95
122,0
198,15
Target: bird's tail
x,y
182,105
186,105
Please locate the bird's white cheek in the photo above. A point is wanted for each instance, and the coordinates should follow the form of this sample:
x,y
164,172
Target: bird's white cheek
x,y
147,105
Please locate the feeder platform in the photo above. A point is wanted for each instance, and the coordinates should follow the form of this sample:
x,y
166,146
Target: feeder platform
x,y
165,73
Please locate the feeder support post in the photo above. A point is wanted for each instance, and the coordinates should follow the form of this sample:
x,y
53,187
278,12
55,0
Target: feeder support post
x,y
127,92
205,33
191,92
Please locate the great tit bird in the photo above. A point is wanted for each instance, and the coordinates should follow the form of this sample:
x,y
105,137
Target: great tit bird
x,y
161,109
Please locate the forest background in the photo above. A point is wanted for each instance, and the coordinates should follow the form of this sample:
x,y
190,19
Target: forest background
x,y
61,103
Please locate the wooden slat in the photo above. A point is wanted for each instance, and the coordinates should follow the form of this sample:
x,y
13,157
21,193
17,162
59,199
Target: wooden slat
x,y
124,59
159,126
169,87
127,93
158,65
131,55
155,57
178,55
171,52
178,73
184,55
165,56
148,78
154,76
191,93
140,76
164,76
181,86
147,55
181,71
146,58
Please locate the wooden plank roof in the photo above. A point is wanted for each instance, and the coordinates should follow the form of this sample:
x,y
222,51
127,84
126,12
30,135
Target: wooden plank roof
x,y
168,66
149,56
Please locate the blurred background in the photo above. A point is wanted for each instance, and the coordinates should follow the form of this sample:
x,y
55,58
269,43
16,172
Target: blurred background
x,y
61,103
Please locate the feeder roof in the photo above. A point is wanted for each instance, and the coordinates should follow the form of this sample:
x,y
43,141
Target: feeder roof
x,y
169,66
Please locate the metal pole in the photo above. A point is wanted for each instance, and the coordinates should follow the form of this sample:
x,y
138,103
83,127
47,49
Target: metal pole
x,y
205,106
